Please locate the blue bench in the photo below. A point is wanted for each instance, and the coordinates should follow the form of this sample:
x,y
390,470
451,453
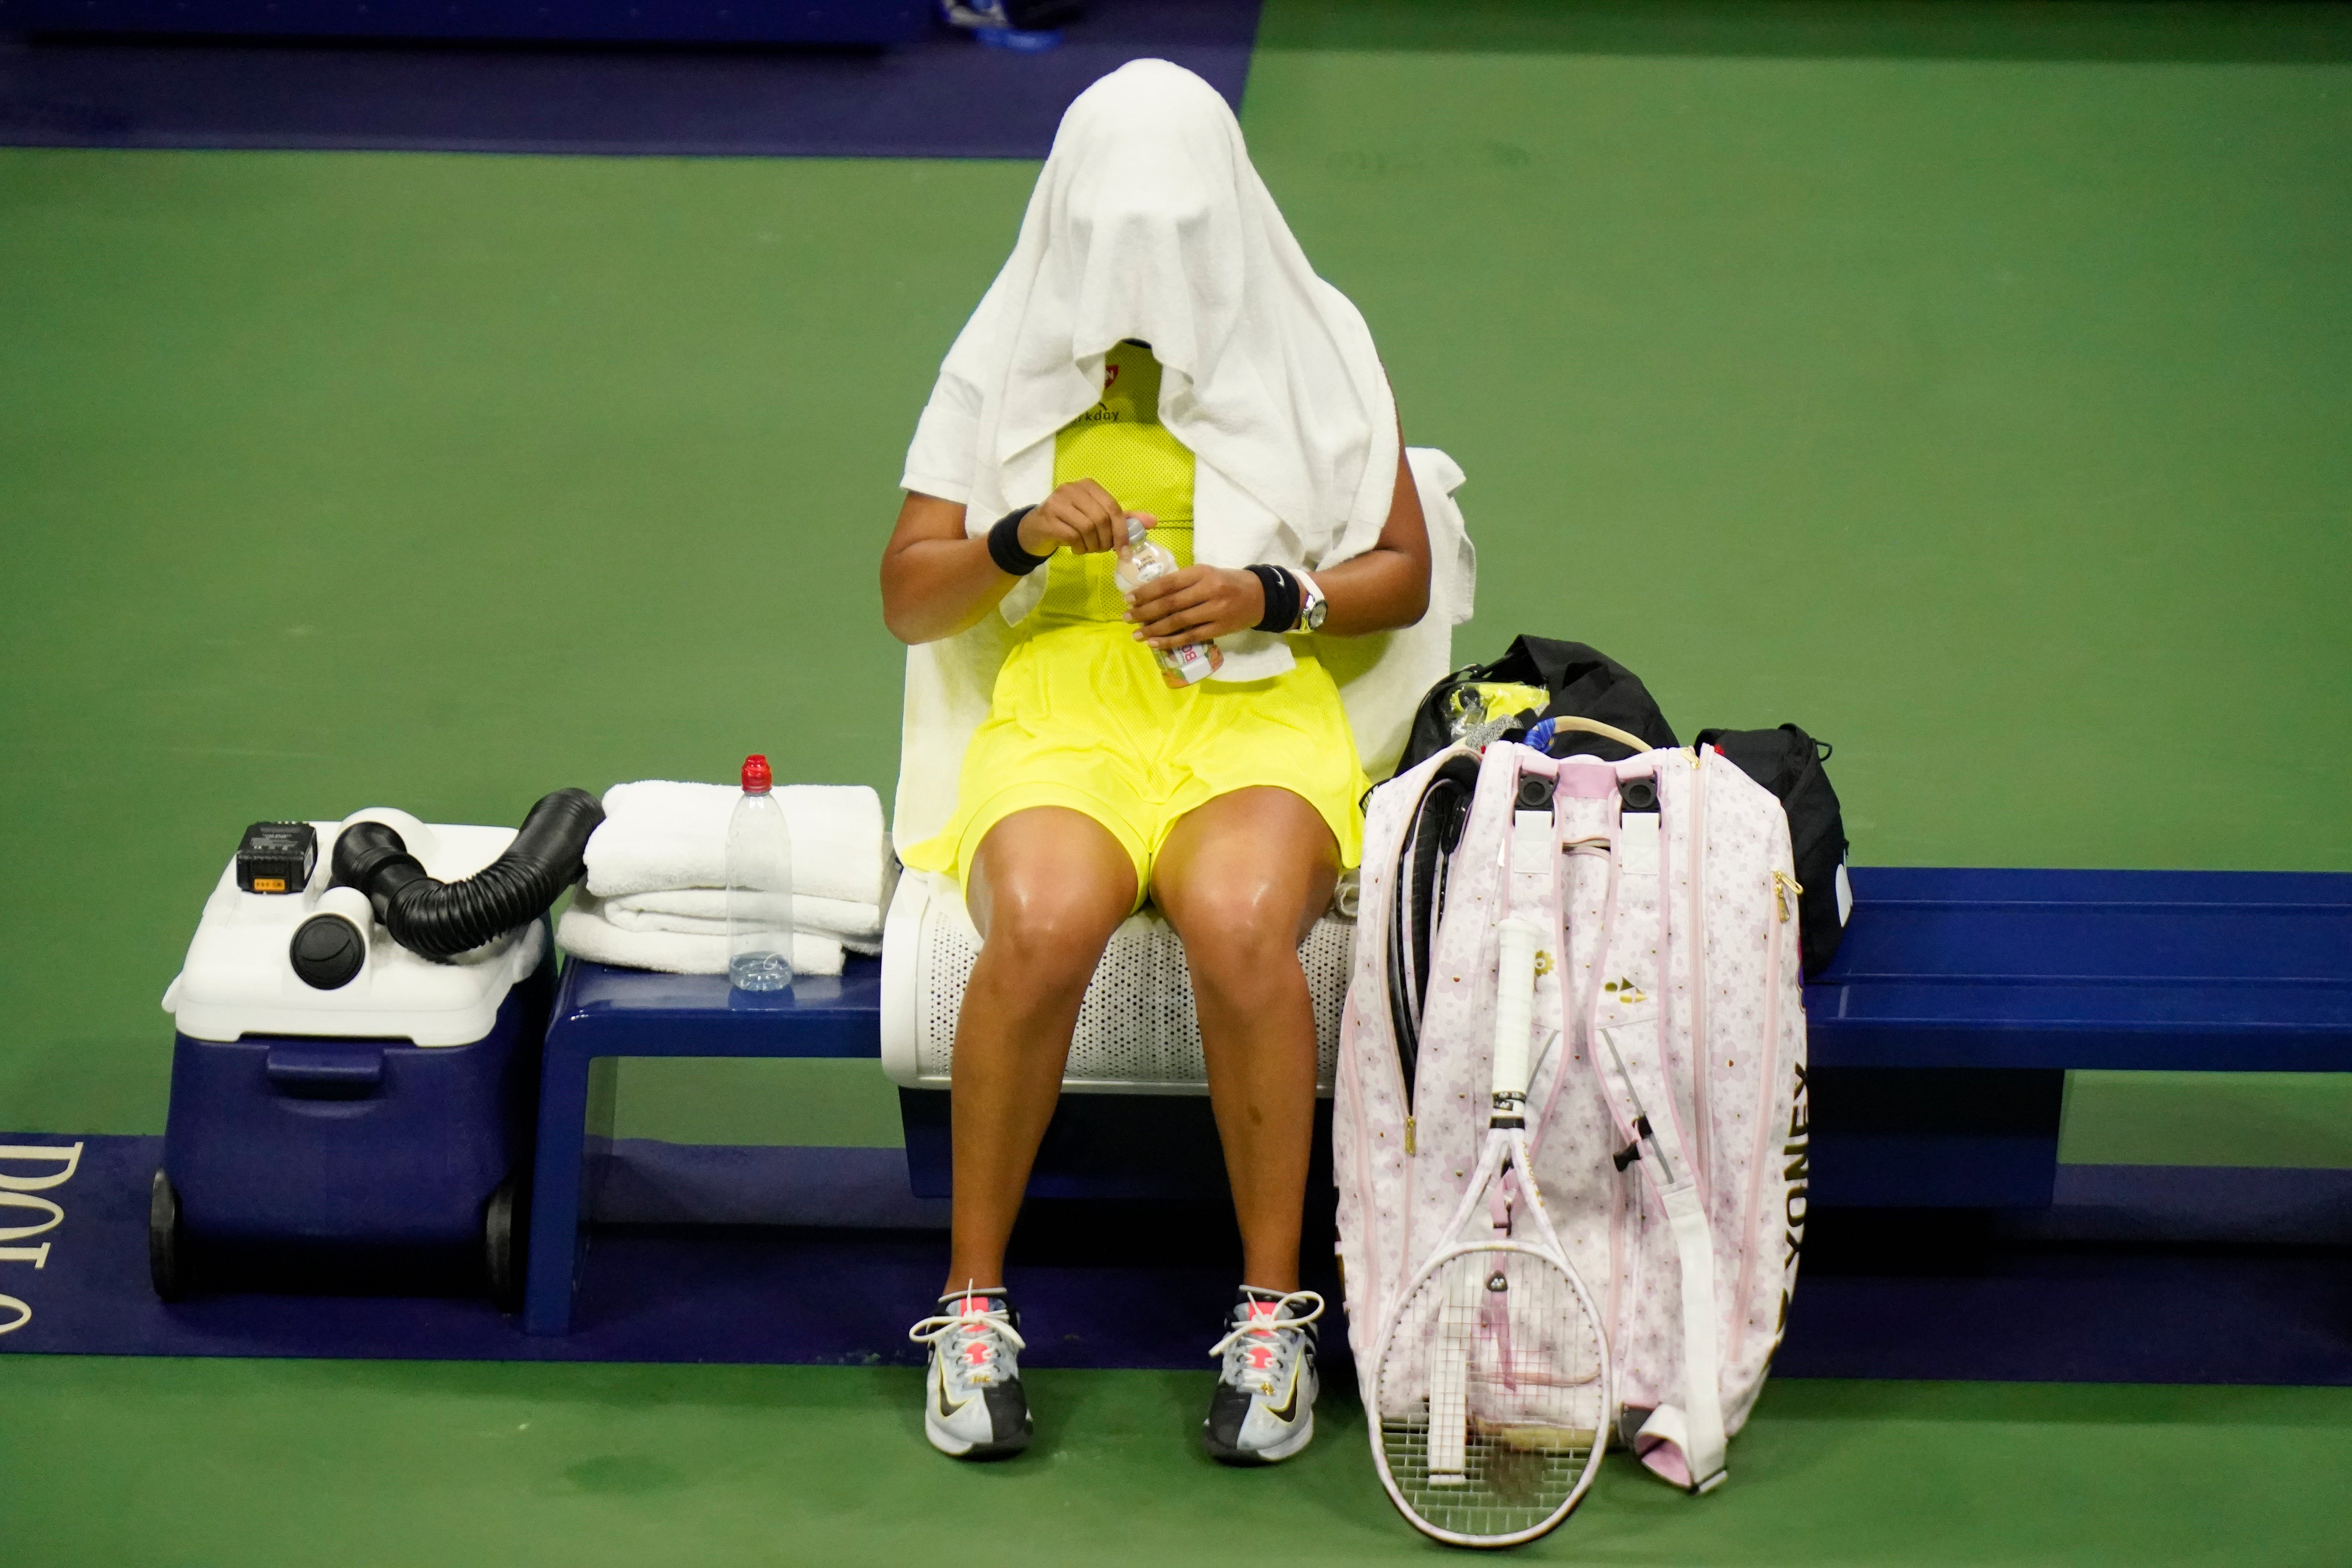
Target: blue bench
x,y
1939,1039
601,1012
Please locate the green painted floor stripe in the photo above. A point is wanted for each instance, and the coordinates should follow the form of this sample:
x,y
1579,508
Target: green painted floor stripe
x,y
247,1464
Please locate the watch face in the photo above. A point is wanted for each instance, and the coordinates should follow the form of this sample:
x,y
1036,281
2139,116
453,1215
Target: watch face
x,y
1315,613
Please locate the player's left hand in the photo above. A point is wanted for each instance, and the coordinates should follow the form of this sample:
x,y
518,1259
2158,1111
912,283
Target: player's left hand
x,y
1196,605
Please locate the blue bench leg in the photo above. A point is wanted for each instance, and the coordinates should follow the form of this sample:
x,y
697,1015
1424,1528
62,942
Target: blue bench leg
x,y
1934,1137
556,1176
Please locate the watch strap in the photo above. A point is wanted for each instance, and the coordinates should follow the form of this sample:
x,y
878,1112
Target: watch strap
x,y
1313,604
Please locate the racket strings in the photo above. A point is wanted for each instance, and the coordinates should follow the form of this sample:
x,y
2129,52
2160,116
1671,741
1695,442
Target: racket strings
x,y
1489,1394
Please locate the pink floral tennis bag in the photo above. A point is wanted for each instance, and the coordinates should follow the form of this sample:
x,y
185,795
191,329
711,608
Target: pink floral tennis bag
x,y
1670,993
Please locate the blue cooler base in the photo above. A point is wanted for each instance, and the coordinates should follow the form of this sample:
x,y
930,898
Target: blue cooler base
x,y
320,1151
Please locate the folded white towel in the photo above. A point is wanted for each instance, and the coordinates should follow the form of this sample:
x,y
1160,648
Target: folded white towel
x,y
659,835
585,932
702,912
1347,894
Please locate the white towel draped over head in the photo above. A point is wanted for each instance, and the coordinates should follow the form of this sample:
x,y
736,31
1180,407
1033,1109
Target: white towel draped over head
x,y
1148,222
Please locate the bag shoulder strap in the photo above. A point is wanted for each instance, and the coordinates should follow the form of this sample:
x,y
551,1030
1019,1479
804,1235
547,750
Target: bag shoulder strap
x,y
1685,1444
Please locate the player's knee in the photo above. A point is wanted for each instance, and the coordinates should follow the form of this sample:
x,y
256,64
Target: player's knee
x,y
1054,935
1241,939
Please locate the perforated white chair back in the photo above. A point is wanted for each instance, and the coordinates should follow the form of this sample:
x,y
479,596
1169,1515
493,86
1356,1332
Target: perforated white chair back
x,y
1136,1033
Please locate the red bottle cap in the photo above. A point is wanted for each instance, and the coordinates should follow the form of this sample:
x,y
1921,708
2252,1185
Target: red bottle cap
x,y
757,779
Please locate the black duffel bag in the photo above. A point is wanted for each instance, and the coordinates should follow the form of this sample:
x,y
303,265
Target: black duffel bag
x,y
1583,683
1788,761
1586,684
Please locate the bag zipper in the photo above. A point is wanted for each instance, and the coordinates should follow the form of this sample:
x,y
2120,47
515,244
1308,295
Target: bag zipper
x,y
1363,1173
1363,1132
1701,1157
1785,890
1768,1110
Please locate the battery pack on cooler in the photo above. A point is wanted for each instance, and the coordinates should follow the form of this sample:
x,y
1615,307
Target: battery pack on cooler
x,y
276,857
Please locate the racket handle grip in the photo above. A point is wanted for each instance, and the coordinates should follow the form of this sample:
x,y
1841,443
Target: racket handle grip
x,y
1514,999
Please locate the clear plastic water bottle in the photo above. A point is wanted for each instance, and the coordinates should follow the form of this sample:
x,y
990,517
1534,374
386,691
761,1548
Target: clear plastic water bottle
x,y
758,886
1144,560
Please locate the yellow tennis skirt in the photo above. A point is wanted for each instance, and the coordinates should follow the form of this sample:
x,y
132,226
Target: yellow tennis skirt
x,y
1081,719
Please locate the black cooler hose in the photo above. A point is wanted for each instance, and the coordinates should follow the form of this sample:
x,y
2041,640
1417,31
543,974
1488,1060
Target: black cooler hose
x,y
441,919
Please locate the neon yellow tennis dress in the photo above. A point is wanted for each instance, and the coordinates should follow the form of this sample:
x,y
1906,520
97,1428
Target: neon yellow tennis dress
x,y
1081,717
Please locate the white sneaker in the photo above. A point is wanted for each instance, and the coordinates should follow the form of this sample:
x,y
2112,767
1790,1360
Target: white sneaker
x,y
1264,1408
972,1405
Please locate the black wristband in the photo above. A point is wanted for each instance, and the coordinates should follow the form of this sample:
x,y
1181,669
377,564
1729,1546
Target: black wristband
x,y
1281,598
1005,549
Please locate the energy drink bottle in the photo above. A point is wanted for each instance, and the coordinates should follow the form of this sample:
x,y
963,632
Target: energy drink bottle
x,y
1141,561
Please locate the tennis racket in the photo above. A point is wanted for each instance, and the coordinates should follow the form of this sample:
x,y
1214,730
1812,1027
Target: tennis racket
x,y
1490,1392
1415,898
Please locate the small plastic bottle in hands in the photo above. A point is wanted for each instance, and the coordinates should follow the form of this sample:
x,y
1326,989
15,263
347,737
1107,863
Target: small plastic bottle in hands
x,y
1141,561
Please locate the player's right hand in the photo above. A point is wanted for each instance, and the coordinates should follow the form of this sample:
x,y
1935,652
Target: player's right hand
x,y
1080,517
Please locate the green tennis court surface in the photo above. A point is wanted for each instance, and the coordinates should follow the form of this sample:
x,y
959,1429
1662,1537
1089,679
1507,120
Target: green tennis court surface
x,y
259,1464
1967,382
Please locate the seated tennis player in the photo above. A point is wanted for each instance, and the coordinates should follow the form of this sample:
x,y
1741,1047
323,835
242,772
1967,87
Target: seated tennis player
x,y
1157,344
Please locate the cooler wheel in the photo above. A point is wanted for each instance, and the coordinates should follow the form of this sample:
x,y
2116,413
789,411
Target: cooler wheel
x,y
502,1248
167,1260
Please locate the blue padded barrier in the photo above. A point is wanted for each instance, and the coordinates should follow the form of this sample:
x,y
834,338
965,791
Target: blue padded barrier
x,y
873,23
939,95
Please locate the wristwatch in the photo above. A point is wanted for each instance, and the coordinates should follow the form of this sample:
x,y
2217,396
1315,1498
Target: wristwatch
x,y
1312,605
